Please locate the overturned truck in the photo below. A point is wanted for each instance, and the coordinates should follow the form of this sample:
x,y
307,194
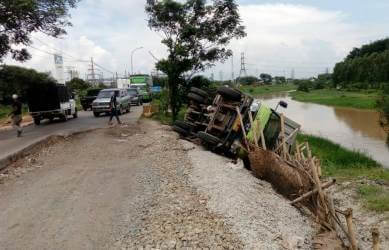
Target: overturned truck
x,y
217,121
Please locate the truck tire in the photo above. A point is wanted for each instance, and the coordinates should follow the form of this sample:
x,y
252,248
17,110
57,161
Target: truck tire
x,y
64,118
184,124
37,121
229,94
180,130
200,92
96,114
197,98
75,115
208,138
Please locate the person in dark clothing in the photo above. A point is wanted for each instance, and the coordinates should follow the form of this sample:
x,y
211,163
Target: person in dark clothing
x,y
114,108
16,115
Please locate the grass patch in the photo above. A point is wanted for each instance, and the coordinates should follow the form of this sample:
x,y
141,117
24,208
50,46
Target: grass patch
x,y
344,164
366,99
375,197
166,118
267,89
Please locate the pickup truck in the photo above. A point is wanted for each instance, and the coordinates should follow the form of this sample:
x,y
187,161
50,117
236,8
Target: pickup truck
x,y
50,101
87,100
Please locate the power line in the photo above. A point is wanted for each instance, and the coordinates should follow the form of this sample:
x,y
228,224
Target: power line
x,y
52,47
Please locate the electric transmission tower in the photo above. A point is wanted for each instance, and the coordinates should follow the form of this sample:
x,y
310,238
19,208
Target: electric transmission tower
x,y
243,71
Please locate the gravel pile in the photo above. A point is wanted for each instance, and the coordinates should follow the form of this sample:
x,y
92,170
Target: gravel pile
x,y
262,218
175,215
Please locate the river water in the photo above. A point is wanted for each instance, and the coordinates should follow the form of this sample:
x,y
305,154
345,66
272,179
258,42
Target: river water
x,y
353,128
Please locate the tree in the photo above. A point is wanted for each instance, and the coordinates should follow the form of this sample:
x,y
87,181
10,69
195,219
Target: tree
x,y
280,79
160,81
17,80
266,78
247,80
78,84
196,33
20,18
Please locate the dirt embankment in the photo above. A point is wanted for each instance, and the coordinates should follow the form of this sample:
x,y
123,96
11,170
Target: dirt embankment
x,y
139,185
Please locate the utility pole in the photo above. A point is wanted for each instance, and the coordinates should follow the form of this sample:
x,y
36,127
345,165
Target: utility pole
x,y
232,70
132,54
292,74
221,75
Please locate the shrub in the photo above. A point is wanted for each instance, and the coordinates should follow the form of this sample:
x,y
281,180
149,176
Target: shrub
x,y
304,86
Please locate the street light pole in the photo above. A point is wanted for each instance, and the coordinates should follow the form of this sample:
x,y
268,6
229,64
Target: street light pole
x,y
132,54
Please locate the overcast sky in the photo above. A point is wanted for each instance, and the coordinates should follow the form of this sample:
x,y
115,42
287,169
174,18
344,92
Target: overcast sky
x,y
307,36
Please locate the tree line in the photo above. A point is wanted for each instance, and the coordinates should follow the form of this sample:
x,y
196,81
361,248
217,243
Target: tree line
x,y
365,67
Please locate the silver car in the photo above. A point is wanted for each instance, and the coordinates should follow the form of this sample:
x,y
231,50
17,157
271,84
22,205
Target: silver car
x,y
101,104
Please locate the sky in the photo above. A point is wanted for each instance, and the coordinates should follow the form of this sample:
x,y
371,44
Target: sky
x,y
300,36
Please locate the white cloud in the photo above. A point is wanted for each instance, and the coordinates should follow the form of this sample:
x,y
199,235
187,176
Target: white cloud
x,y
280,37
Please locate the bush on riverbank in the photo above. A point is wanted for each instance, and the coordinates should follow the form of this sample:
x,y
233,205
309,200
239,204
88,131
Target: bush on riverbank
x,y
332,97
348,165
267,89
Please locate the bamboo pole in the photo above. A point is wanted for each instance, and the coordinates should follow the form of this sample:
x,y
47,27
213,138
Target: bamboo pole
x,y
376,238
263,140
290,136
298,156
331,207
316,178
349,220
242,127
254,129
310,193
283,136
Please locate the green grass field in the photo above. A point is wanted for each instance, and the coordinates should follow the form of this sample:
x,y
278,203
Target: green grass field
x,y
348,165
332,97
267,89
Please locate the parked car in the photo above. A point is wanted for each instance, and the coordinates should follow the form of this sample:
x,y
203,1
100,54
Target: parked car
x,y
102,102
51,101
136,97
87,100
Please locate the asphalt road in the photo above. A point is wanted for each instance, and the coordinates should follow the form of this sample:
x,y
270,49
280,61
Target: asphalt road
x,y
77,193
10,144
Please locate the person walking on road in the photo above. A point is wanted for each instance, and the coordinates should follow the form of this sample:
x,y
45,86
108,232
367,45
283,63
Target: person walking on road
x,y
114,111
16,114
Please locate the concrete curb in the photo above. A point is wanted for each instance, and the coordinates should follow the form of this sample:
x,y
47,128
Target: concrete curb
x,y
29,149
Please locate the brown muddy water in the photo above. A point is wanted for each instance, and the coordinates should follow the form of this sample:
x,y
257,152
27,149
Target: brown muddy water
x,y
352,128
